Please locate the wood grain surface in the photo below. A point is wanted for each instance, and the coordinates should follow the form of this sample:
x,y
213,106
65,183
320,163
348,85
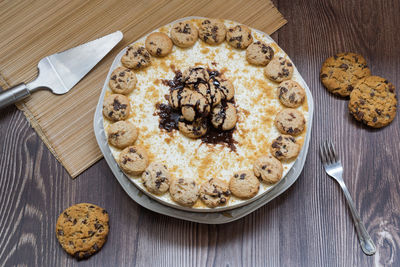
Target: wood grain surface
x,y
32,30
308,225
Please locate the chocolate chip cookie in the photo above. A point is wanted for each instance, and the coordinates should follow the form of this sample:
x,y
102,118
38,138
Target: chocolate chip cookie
x,y
184,191
194,105
133,160
194,129
239,36
373,101
259,53
116,107
176,96
291,94
268,168
244,184
279,69
184,34
122,134
290,121
122,81
193,76
136,57
215,192
211,93
156,178
284,147
212,31
223,85
340,73
158,44
82,229
224,116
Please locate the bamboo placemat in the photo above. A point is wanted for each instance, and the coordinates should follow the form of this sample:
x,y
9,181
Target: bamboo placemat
x,y
31,30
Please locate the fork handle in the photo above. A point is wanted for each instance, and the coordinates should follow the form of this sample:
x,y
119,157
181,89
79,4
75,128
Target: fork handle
x,y
367,245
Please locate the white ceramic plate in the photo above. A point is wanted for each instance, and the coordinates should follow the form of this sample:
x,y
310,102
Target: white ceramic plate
x,y
291,173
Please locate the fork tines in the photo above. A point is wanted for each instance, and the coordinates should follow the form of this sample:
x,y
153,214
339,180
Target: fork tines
x,y
328,153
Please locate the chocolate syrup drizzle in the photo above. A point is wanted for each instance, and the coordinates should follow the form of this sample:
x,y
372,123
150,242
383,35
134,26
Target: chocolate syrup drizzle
x,y
169,117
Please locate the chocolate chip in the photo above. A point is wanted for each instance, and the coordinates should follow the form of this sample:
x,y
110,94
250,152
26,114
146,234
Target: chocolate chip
x,y
242,176
324,75
350,88
117,105
275,144
292,97
344,66
158,183
158,52
60,232
114,77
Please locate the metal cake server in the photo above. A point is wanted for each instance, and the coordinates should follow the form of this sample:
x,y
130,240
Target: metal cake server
x,y
60,72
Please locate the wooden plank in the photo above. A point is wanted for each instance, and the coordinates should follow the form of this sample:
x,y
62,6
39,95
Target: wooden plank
x,y
33,30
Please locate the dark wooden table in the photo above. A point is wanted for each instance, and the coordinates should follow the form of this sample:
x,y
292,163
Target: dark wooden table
x,y
309,225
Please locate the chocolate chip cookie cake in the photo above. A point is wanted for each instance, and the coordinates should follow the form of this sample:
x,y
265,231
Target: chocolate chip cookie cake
x,y
205,114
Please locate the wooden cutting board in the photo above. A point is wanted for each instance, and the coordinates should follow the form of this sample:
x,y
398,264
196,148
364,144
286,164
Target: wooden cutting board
x,y
31,30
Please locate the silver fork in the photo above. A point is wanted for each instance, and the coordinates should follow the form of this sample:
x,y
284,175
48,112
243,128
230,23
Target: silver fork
x,y
333,167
